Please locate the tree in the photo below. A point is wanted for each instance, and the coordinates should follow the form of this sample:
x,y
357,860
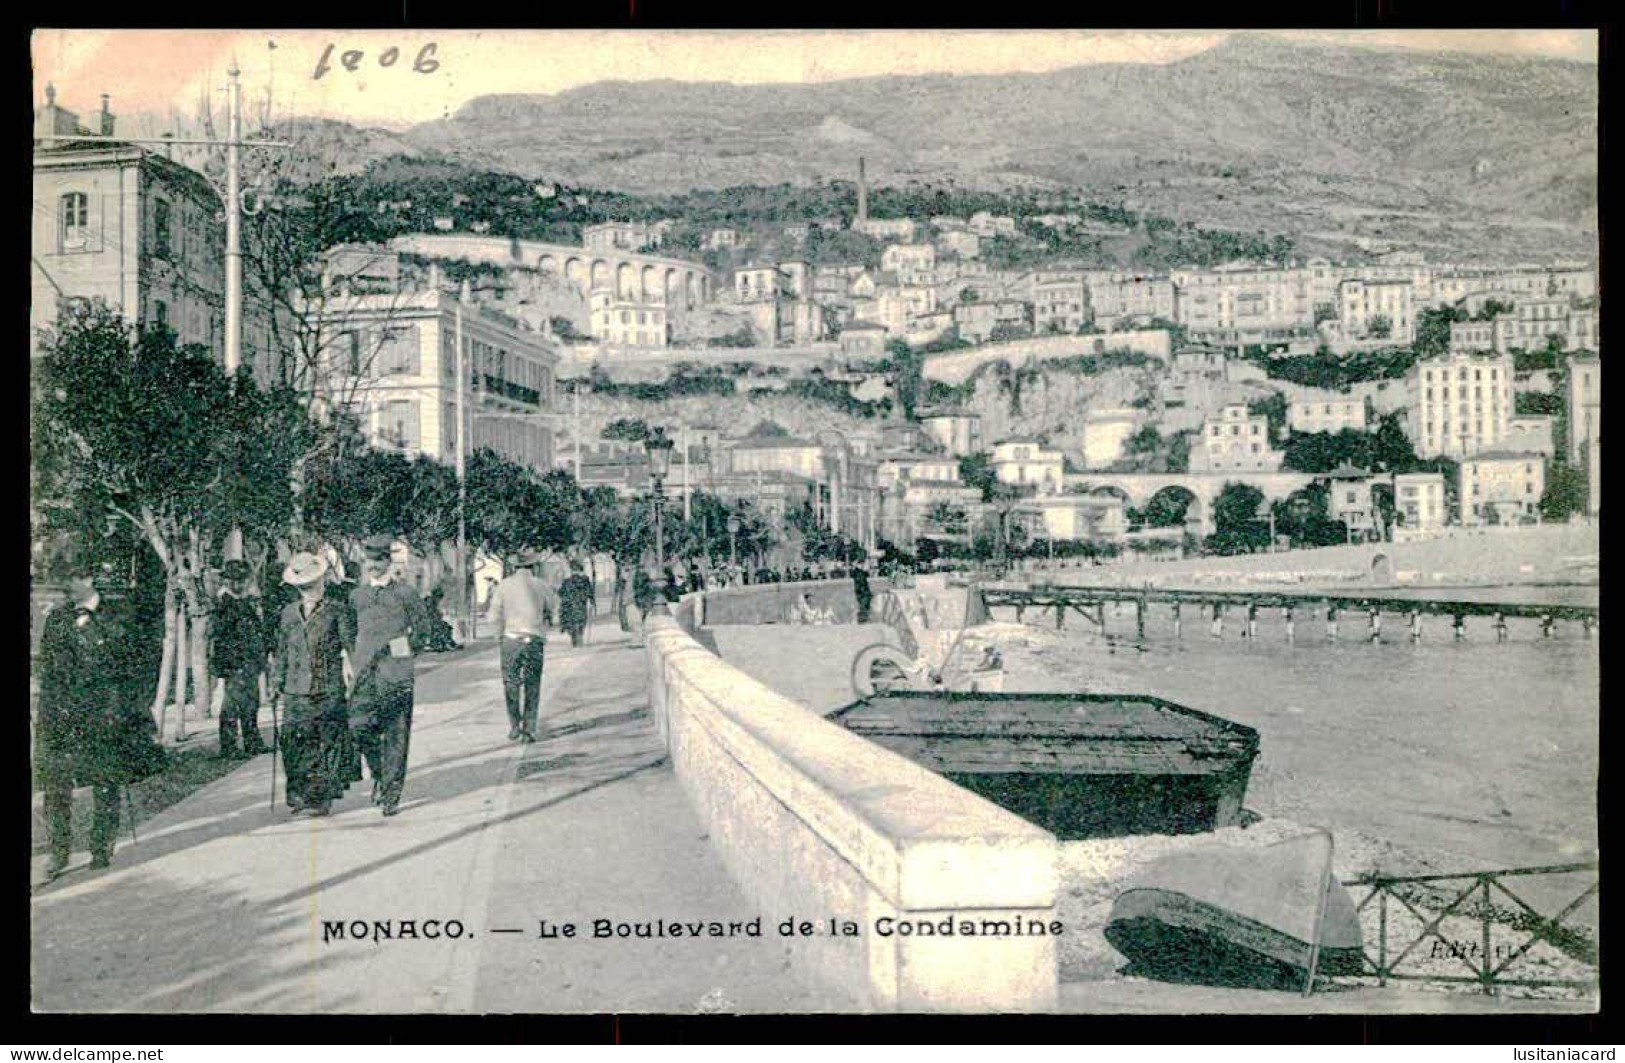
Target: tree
x,y
1179,453
768,430
1235,518
1433,329
628,429
127,426
1168,508
1274,408
1566,492
1379,327
1146,441
976,470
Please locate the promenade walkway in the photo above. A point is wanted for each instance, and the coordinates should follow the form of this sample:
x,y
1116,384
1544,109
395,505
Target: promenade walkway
x,y
220,906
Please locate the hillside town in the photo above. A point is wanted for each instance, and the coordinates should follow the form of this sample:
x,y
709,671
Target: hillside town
x,y
318,442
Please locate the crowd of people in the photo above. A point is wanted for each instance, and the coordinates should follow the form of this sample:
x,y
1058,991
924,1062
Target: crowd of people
x,y
334,658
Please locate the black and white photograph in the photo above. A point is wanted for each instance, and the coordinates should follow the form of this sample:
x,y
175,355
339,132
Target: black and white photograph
x,y
798,522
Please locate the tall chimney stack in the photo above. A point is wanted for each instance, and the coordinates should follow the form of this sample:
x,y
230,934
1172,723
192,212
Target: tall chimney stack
x,y
863,193
107,117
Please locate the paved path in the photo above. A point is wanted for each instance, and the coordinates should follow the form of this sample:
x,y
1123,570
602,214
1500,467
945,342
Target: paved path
x,y
221,904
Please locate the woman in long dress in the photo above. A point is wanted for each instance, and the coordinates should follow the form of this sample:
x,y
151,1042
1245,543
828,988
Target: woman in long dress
x,y
312,672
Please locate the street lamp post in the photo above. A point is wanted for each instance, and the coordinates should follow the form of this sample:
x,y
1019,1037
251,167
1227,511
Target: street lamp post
x,y
733,539
659,448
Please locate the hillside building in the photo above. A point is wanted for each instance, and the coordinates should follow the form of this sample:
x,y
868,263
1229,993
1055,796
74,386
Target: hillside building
x,y
1460,404
1235,440
1501,487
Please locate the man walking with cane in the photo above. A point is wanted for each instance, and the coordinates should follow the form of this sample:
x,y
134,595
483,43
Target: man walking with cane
x,y
238,657
521,604
390,625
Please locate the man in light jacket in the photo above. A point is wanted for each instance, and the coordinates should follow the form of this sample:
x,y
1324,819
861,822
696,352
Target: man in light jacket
x,y
523,604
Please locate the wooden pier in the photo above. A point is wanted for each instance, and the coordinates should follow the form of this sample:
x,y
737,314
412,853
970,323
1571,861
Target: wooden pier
x,y
1090,604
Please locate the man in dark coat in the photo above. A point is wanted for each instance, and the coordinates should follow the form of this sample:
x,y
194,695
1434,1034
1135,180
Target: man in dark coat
x,y
314,638
862,591
576,602
390,629
238,657
89,731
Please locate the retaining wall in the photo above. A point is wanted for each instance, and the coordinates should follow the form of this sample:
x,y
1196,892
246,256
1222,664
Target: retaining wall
x,y
815,823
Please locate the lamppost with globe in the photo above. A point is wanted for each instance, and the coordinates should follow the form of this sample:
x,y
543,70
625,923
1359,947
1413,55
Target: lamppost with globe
x,y
659,447
733,540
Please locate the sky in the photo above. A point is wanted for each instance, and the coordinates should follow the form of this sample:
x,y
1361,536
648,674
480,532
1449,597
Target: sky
x,y
150,71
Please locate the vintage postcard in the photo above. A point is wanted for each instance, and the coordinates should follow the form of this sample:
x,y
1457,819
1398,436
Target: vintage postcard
x,y
798,522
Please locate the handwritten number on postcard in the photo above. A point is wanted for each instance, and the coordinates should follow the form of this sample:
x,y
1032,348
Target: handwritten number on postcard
x,y
425,63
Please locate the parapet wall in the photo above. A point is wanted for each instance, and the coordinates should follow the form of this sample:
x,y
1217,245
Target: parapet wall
x,y
816,823
770,603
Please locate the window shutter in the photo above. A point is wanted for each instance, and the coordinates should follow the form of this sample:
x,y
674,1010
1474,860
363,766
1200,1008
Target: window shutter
x,y
412,432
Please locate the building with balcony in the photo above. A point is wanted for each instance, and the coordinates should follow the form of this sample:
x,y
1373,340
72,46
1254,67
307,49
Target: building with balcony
x,y
1060,300
1117,299
394,358
628,322
1242,303
1377,310
1419,501
1235,440
619,236
898,230
1501,487
1025,461
1460,404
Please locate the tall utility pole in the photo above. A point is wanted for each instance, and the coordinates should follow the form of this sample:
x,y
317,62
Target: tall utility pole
x,y
463,423
233,203
234,231
682,435
575,430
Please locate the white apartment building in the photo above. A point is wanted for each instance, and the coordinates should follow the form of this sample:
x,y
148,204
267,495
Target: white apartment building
x,y
1460,404
1332,414
1382,310
1467,337
618,236
397,354
1242,302
1584,404
1060,301
1234,440
1501,487
1023,460
985,223
1118,297
626,322
759,282
1420,500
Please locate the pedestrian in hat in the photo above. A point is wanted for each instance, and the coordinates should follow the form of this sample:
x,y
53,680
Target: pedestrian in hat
x,y
576,602
314,638
391,627
90,731
521,603
238,657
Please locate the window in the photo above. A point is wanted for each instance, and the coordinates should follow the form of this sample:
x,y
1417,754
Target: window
x,y
350,350
161,222
74,214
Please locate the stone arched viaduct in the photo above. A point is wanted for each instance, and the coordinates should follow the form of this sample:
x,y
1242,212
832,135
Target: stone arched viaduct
x,y
1140,488
638,278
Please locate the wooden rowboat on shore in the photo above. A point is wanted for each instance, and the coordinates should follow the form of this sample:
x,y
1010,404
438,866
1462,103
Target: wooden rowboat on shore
x,y
1239,917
